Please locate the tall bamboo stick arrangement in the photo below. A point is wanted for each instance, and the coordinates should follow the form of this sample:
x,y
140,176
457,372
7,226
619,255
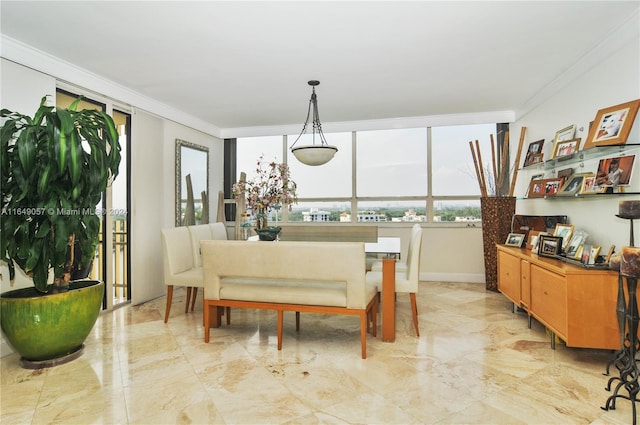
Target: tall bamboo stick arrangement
x,y
515,173
496,179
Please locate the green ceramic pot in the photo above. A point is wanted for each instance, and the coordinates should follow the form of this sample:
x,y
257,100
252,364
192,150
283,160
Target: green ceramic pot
x,y
269,233
48,326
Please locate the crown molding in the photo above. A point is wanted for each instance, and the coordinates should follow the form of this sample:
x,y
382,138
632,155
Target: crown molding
x,y
616,40
71,74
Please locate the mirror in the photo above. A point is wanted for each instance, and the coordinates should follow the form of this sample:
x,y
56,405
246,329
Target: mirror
x,y
192,165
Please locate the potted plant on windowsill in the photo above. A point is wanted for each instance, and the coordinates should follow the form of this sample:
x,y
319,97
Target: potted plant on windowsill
x,y
55,167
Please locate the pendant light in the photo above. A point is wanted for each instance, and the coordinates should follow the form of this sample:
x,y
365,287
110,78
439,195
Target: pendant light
x,y
315,153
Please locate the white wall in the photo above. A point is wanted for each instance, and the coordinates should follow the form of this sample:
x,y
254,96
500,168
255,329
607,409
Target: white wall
x,y
613,81
152,178
22,90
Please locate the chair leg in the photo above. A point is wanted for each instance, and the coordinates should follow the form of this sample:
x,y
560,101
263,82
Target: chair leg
x,y
186,306
193,300
363,334
414,311
280,322
297,321
169,298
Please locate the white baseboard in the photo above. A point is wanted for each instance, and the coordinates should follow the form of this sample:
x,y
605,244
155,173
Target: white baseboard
x,y
453,277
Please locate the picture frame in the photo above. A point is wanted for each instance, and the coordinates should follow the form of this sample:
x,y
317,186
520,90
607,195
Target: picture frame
x,y
565,148
549,246
586,254
574,184
515,239
590,187
552,186
545,187
563,135
574,248
565,231
533,149
607,258
532,242
536,188
533,177
536,158
612,125
615,171
565,173
593,255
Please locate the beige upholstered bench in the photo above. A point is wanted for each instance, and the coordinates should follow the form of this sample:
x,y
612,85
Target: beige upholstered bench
x,y
314,277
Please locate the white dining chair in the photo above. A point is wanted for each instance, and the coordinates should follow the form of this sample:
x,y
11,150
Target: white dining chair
x,y
178,264
400,265
407,279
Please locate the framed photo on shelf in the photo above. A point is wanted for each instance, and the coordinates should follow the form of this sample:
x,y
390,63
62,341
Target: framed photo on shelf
x,y
563,135
536,188
515,239
565,231
573,185
565,172
536,158
534,149
534,177
615,171
565,148
549,246
612,125
590,187
552,186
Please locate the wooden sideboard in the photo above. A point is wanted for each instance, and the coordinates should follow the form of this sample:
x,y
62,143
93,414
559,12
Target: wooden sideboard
x,y
576,304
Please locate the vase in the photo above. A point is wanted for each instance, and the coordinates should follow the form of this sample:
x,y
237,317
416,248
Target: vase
x,y
269,233
50,329
261,218
497,214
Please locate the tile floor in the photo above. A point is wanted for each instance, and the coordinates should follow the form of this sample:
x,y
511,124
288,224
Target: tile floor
x,y
475,362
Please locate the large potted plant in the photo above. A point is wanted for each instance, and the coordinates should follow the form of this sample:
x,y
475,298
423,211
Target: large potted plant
x,y
55,167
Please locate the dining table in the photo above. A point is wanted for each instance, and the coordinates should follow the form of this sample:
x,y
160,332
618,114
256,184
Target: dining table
x,y
389,248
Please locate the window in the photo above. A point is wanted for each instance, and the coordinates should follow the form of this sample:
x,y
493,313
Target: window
x,y
453,172
391,163
399,175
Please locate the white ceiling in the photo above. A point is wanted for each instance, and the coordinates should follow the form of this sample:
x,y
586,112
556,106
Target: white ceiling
x,y
244,64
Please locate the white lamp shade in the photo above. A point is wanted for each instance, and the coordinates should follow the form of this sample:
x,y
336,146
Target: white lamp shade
x,y
314,155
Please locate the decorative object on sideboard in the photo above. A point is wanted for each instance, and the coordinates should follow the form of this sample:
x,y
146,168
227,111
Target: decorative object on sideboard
x,y
314,153
515,239
612,125
549,245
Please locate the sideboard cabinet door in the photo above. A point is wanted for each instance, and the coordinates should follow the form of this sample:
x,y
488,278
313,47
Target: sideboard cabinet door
x,y
549,299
